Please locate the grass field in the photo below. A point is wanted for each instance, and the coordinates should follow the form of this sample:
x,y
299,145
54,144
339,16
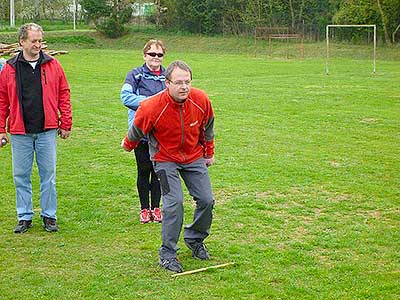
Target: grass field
x,y
306,183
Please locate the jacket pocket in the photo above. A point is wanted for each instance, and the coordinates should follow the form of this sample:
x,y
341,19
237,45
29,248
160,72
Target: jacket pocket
x,y
162,177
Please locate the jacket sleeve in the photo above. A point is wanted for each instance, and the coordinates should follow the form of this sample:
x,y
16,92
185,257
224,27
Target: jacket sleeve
x,y
64,102
128,95
4,101
135,132
141,125
208,130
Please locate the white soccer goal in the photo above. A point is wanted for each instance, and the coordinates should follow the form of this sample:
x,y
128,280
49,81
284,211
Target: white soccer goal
x,y
327,43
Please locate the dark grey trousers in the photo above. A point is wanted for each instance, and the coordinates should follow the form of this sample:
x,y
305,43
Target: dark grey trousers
x,y
196,178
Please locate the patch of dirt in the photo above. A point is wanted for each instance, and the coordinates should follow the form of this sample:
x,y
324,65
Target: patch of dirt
x,y
369,121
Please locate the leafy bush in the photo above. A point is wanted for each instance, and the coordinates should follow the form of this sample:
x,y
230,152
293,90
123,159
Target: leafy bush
x,y
109,17
95,9
111,27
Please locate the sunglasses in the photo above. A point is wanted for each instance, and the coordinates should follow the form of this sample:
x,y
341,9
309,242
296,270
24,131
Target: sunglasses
x,y
153,54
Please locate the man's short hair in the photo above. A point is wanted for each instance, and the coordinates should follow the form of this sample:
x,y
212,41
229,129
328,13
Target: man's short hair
x,y
23,30
177,64
158,43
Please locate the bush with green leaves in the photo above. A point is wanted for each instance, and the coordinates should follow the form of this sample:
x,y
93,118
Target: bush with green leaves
x,y
109,17
111,27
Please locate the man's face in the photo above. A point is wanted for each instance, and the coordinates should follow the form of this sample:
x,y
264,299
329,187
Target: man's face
x,y
32,45
179,84
152,59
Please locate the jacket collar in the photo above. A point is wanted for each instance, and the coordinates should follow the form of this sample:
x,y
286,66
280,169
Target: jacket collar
x,y
148,71
171,100
44,58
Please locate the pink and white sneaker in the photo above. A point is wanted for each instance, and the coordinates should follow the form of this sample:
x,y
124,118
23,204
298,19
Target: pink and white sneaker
x,y
145,216
156,215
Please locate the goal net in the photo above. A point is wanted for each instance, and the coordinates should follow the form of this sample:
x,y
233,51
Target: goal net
x,y
355,41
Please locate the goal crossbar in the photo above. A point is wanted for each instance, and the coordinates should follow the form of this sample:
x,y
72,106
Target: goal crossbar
x,y
347,25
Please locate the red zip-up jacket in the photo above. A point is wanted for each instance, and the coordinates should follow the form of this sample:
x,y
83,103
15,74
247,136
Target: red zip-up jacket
x,y
55,91
177,132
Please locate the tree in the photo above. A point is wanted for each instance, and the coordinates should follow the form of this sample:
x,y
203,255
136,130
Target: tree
x,y
384,13
197,16
384,21
95,9
108,16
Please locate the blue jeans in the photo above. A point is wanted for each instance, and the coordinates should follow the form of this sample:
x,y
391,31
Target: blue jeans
x,y
44,146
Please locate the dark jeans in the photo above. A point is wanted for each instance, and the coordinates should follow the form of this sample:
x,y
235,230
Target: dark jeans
x,y
147,181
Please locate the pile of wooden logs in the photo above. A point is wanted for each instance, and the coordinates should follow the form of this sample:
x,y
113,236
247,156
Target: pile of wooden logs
x,y
13,49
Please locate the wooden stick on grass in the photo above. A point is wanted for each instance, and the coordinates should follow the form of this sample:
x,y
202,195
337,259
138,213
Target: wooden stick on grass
x,y
202,269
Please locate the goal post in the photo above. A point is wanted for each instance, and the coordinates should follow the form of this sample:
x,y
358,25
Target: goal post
x,y
327,43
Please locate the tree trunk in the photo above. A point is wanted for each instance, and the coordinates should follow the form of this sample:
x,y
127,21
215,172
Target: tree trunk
x,y
157,4
301,11
291,12
384,22
44,10
271,14
115,9
76,11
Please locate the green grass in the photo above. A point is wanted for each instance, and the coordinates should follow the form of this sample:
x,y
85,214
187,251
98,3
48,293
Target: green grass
x,y
306,185
71,40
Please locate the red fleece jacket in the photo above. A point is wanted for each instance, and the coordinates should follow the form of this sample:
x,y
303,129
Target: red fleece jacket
x,y
177,132
56,98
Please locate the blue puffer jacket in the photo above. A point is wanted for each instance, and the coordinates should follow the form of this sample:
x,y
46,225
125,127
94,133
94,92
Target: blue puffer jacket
x,y
140,83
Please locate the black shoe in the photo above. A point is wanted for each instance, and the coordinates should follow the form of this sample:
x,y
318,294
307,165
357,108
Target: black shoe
x,y
171,264
50,224
199,250
23,226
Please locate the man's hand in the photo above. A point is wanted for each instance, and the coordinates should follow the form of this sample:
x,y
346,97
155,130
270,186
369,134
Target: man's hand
x,y
64,134
209,161
3,139
127,145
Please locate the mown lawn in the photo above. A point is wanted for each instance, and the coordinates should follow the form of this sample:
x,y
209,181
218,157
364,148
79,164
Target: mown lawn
x,y
306,186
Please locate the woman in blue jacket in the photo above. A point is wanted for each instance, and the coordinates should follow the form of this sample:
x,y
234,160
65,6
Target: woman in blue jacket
x,y
140,83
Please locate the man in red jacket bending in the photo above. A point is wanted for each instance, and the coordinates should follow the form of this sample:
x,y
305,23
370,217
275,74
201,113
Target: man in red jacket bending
x,y
178,123
34,106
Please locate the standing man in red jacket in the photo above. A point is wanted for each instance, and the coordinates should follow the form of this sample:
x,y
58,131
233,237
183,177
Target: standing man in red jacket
x,y
34,106
178,123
